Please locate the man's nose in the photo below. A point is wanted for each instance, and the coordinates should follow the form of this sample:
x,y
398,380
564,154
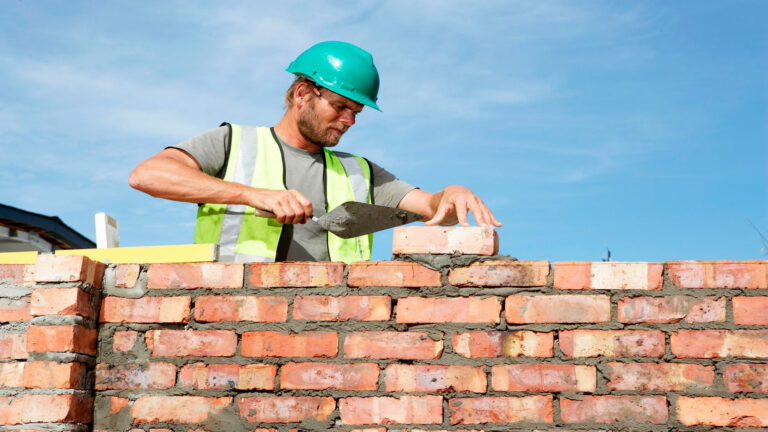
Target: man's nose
x,y
347,117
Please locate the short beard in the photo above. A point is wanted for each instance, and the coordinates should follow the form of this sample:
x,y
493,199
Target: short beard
x,y
308,123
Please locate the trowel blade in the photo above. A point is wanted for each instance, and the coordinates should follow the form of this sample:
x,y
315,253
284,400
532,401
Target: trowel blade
x,y
353,219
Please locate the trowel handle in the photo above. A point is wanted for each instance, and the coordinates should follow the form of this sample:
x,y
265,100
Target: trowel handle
x,y
266,214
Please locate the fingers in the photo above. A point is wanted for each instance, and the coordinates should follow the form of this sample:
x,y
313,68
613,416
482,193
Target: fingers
x,y
443,210
290,207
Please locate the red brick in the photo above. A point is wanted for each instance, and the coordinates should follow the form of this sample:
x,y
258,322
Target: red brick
x,y
10,410
145,310
13,346
241,308
285,409
412,310
443,240
557,309
719,343
126,275
521,343
746,378
347,308
57,408
14,309
17,274
135,376
392,274
62,338
124,340
716,411
195,275
435,378
12,374
276,344
296,274
389,410
177,409
750,310
718,274
228,376
543,378
61,301
192,343
612,343
42,374
671,309
608,275
495,273
68,268
537,409
665,377
614,409
392,345
329,376
118,403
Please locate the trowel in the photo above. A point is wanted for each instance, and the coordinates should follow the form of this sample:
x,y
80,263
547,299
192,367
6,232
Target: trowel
x,y
353,219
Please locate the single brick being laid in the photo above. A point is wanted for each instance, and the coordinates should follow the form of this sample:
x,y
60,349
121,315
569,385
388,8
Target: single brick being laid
x,y
445,240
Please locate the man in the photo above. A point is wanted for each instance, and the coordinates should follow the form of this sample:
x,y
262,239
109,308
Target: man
x,y
289,170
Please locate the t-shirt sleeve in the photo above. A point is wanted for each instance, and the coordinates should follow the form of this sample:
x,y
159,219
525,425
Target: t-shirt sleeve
x,y
388,190
209,149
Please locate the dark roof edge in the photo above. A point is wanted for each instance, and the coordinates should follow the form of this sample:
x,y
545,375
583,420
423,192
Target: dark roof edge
x,y
52,225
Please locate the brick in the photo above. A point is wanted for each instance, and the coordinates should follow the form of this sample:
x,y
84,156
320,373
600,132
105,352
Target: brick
x,y
124,340
498,273
192,343
612,343
285,409
57,408
557,309
276,344
195,275
665,377
61,301
45,374
241,308
126,275
145,310
521,343
392,274
413,310
750,310
537,409
62,338
389,410
177,409
118,403
671,309
12,374
718,274
614,409
435,378
347,308
10,410
608,275
135,376
443,240
14,309
746,378
68,268
392,345
329,376
13,346
719,343
228,376
296,274
716,411
17,274
543,378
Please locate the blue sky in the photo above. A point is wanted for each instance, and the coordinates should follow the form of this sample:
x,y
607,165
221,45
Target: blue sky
x,y
636,126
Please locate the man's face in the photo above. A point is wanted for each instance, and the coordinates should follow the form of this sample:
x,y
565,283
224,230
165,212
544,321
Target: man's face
x,y
326,117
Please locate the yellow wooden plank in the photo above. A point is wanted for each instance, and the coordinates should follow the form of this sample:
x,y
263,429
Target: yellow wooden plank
x,y
148,254
28,257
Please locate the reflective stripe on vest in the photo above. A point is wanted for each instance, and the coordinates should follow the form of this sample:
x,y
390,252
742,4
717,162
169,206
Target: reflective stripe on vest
x,y
255,159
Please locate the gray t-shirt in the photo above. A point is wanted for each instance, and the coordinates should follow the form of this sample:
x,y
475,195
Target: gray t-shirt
x,y
303,172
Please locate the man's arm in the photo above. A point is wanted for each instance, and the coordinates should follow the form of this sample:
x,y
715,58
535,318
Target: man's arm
x,y
175,175
449,206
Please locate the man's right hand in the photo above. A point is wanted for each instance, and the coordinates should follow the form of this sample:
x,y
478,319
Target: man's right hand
x,y
289,206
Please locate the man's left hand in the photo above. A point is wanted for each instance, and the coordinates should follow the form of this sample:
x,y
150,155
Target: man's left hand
x,y
449,207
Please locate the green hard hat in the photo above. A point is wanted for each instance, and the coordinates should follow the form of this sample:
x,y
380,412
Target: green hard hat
x,y
341,67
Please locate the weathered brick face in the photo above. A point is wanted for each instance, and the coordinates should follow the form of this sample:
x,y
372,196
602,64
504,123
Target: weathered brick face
x,y
494,345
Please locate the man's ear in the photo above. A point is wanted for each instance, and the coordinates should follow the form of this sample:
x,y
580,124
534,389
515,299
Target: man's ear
x,y
302,94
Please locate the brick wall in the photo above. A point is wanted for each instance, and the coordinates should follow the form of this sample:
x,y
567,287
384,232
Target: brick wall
x,y
427,342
